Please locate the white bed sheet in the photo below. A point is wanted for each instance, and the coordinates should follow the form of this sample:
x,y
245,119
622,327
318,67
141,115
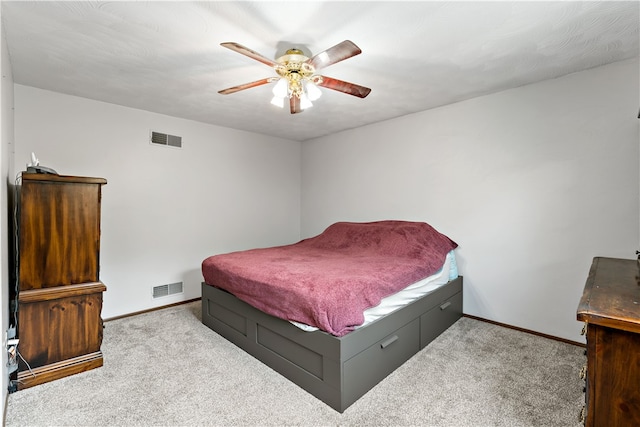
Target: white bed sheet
x,y
448,272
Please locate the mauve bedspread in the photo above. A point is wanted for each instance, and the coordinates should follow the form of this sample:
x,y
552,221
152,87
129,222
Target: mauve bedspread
x,y
328,281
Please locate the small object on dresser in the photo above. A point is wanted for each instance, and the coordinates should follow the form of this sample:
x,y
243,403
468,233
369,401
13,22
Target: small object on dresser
x,y
34,166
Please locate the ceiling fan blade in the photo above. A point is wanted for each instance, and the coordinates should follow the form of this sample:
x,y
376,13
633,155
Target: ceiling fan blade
x,y
294,105
250,53
235,89
334,54
346,87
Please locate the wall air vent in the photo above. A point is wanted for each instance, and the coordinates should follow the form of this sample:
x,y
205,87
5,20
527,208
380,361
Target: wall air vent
x,y
166,140
166,290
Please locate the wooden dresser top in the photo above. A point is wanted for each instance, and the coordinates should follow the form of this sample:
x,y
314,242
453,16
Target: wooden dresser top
x,y
612,294
45,177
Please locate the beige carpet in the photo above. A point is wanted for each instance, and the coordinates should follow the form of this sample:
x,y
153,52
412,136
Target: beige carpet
x,y
167,369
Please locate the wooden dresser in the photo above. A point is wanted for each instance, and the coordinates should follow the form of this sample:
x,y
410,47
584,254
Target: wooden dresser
x,y
610,308
59,292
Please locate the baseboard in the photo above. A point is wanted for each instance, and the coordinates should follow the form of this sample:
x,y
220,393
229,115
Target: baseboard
x,y
152,309
528,331
57,370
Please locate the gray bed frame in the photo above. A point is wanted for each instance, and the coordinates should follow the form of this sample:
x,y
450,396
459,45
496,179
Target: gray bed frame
x,y
337,370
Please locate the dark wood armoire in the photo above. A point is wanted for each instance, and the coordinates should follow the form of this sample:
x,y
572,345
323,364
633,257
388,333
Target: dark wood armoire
x,y
59,290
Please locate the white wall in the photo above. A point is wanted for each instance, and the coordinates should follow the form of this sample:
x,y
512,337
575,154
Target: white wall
x,y
6,174
163,209
532,183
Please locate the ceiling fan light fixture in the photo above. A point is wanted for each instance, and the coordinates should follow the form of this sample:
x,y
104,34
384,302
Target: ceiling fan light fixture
x,y
304,101
281,89
277,101
313,92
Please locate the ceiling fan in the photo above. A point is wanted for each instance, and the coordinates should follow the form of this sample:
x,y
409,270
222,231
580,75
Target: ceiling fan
x,y
297,79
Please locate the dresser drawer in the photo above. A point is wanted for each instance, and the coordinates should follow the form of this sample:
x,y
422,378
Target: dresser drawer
x,y
439,318
369,367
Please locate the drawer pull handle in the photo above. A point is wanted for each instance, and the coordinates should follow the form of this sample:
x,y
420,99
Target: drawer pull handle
x,y
445,305
387,343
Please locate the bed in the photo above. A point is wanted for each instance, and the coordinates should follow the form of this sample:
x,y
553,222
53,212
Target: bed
x,y
338,312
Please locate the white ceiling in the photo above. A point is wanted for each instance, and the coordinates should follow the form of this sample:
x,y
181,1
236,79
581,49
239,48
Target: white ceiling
x,y
166,57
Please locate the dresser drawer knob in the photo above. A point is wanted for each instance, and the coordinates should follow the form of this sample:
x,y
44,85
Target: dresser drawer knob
x,y
388,342
583,373
445,305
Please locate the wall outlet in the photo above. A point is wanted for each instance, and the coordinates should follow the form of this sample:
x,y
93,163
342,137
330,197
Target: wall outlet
x,y
12,352
9,334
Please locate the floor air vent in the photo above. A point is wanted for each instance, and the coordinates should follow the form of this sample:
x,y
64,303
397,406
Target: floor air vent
x,y
166,290
166,140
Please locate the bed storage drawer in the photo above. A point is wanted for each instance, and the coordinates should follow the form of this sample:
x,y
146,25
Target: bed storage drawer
x,y
368,368
439,318
351,365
